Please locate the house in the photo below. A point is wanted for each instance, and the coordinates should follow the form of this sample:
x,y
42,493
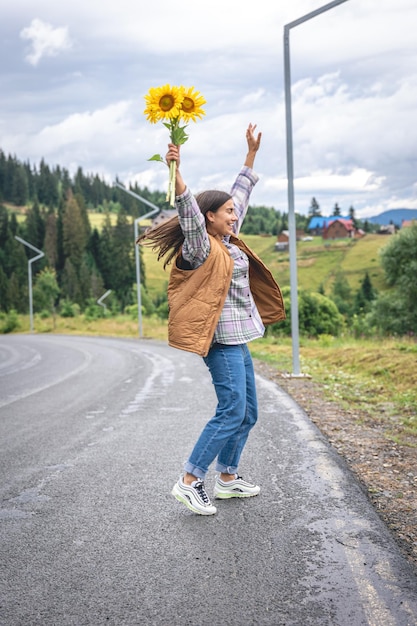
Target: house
x,y
407,223
388,229
339,228
162,216
318,223
283,239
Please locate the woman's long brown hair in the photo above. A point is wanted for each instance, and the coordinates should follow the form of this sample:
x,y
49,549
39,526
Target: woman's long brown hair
x,y
167,238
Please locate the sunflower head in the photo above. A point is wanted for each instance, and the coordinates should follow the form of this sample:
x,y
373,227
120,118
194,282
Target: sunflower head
x,y
163,103
191,105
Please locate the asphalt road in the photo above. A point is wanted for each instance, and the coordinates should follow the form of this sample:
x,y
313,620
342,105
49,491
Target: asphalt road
x,y
93,435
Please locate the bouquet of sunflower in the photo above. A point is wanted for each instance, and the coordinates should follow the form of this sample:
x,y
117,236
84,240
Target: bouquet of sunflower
x,y
173,106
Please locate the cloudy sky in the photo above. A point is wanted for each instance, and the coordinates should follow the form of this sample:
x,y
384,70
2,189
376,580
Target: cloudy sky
x,y
74,76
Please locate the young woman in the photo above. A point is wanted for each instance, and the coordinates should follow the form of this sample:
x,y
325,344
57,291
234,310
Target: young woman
x,y
220,297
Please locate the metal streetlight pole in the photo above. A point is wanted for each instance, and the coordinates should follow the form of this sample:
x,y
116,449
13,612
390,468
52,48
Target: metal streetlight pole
x,y
137,255
290,175
30,261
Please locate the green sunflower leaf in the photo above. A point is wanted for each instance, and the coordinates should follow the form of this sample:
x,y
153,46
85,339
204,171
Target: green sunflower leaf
x,y
179,136
157,157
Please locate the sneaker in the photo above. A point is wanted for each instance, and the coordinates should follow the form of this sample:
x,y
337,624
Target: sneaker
x,y
194,497
237,488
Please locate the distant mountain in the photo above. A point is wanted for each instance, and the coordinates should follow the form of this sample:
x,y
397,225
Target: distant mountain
x,y
393,216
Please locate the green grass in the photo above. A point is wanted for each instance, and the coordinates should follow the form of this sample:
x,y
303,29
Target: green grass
x,y
156,277
376,377
97,219
364,257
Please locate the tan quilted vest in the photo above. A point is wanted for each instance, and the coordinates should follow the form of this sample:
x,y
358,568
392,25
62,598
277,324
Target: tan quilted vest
x,y
196,297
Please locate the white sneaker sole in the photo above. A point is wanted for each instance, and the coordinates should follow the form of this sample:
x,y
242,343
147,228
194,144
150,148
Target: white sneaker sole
x,y
182,498
224,495
235,491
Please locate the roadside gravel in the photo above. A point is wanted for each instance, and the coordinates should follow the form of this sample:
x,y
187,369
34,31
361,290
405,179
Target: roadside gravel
x,y
387,471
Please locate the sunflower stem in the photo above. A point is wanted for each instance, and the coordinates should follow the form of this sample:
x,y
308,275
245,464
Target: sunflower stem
x,y
171,183
174,171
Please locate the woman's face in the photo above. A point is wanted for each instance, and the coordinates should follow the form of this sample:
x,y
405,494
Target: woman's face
x,y
220,224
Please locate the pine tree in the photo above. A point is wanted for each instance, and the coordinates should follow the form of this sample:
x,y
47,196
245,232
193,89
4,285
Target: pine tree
x,y
123,273
367,288
70,286
47,186
75,279
20,186
18,294
60,261
74,232
106,254
4,226
13,264
314,208
51,239
35,226
365,295
84,281
342,294
3,174
4,292
352,216
93,248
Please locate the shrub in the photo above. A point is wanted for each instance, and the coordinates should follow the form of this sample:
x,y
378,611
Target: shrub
x,y
69,309
163,310
93,311
390,315
9,322
317,315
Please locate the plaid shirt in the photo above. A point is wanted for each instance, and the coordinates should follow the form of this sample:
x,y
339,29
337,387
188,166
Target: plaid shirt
x,y
239,321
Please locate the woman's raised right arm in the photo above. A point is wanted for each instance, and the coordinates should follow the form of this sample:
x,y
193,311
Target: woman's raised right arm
x,y
196,245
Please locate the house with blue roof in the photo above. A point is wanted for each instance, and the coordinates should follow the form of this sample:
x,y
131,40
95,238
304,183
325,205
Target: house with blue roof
x,y
318,223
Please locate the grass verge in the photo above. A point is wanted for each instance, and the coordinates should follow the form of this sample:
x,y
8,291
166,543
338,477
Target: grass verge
x,y
378,377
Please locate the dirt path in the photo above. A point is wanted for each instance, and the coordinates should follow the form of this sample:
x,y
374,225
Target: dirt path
x,y
386,470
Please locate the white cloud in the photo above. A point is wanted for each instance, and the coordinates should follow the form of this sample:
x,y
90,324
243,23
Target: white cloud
x,y
324,181
45,40
93,140
86,127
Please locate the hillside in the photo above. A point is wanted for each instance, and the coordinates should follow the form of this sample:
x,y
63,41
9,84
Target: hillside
x,y
318,262
393,216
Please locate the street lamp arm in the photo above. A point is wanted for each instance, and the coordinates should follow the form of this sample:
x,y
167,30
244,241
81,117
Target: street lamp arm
x,y
29,245
135,195
100,300
312,14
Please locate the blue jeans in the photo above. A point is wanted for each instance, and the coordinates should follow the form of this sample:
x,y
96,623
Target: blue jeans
x,y
225,435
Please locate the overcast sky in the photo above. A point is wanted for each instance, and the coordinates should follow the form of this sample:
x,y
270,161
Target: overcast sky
x,y
74,76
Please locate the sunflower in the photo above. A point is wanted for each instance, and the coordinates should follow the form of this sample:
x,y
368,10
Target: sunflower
x,y
173,105
191,105
163,103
